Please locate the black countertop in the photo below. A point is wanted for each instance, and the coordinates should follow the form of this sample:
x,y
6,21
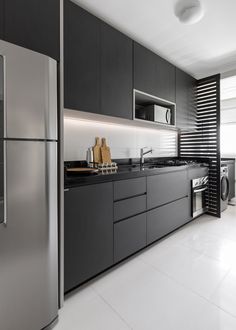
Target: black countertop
x,y
124,172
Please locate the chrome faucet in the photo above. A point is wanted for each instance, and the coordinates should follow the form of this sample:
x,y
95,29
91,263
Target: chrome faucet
x,y
142,153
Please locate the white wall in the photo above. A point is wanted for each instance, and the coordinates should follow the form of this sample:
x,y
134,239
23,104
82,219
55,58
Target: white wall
x,y
125,141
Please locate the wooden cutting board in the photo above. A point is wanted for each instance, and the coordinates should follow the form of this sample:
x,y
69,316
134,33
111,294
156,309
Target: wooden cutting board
x,y
97,157
105,151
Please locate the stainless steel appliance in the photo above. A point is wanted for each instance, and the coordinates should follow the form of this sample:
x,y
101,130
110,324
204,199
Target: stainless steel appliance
x,y
224,187
28,189
156,113
199,190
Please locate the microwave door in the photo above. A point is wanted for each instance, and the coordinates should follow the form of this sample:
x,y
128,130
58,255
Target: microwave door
x,y
162,115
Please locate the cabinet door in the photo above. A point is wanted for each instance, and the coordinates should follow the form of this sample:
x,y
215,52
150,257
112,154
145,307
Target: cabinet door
x,y
165,219
88,232
81,59
153,74
116,73
1,19
165,188
33,24
185,101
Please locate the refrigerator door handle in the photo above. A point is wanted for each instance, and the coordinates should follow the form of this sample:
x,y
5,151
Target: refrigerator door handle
x,y
4,220
4,96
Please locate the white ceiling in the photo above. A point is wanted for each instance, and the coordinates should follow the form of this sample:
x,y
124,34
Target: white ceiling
x,y
205,48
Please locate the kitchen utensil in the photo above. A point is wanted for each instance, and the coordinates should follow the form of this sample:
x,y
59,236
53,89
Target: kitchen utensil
x,y
97,158
105,152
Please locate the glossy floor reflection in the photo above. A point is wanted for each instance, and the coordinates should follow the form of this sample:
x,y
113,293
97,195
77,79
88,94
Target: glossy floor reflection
x,y
187,281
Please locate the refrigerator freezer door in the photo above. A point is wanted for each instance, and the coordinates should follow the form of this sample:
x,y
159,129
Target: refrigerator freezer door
x,y
28,241
30,92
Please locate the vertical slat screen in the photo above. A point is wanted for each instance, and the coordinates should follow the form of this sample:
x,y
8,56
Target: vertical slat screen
x,y
202,140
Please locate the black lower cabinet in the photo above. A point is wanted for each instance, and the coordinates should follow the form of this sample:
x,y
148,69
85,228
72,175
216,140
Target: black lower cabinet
x,y
129,236
88,232
128,207
165,188
164,219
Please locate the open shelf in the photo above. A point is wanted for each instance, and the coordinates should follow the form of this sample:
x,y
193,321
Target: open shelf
x,y
144,106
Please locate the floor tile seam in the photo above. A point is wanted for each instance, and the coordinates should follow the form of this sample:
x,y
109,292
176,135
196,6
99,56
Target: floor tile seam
x,y
218,286
180,284
112,308
207,255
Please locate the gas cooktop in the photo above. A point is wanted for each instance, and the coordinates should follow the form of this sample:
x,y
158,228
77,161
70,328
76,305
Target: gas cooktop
x,y
175,162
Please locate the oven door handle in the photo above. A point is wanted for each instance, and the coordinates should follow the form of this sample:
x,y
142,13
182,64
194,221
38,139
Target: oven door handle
x,y
199,190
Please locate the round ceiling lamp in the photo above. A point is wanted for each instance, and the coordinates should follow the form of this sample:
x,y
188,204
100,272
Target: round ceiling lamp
x,y
189,11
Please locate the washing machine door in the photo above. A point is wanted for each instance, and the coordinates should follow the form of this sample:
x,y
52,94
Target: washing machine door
x,y
224,188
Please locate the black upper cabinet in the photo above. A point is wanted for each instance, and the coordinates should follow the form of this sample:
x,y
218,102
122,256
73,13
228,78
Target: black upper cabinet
x,y
98,65
33,24
185,100
153,74
1,19
116,73
81,59
88,232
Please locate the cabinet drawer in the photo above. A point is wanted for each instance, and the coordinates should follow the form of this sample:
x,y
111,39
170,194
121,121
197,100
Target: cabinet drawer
x,y
129,188
164,219
129,236
165,188
128,207
194,173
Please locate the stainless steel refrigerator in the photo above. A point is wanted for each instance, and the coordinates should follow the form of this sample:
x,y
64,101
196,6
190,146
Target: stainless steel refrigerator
x,y
28,189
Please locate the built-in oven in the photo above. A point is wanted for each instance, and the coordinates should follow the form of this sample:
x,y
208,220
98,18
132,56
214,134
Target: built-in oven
x,y
199,196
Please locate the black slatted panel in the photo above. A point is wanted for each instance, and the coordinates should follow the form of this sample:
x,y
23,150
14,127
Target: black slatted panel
x,y
202,140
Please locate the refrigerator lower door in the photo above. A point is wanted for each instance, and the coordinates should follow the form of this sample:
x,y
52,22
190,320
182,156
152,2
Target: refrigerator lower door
x,y
28,88
28,240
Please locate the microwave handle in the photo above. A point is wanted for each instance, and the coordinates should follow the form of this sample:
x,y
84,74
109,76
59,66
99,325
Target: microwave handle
x,y
199,190
167,116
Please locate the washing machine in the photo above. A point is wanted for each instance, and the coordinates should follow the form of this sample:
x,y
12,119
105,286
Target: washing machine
x,y
224,182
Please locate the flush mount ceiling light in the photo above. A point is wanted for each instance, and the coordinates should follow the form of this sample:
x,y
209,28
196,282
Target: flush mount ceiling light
x,y
189,11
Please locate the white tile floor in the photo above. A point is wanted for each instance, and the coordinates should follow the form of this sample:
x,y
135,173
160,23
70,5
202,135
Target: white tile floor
x,y
187,281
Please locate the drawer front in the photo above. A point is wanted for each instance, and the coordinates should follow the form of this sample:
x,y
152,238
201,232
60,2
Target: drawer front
x,y
164,219
128,207
129,188
165,188
194,173
129,236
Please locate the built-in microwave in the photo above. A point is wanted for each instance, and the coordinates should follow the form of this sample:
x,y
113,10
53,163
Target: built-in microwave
x,y
156,113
